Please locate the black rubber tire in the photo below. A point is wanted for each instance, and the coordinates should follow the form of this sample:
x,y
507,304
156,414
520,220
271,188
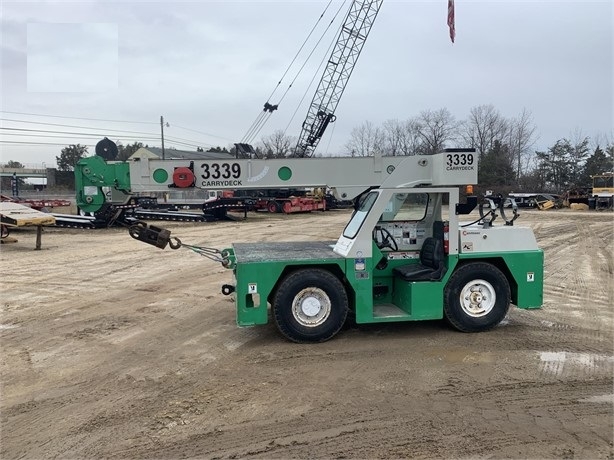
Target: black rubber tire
x,y
286,295
462,277
273,206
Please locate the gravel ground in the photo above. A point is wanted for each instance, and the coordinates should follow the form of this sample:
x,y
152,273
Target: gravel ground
x,y
116,349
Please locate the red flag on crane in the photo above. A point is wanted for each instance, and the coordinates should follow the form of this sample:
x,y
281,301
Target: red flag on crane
x,y
451,19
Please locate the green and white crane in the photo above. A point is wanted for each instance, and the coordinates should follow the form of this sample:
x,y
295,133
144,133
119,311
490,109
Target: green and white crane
x,y
403,256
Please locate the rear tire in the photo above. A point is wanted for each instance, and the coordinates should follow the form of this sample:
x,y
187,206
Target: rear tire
x,y
310,305
287,207
477,297
273,206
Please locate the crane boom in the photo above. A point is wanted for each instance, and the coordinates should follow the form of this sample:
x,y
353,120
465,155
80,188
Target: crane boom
x,y
350,41
347,177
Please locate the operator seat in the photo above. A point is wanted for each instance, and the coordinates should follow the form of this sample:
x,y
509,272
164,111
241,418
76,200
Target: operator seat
x,y
430,268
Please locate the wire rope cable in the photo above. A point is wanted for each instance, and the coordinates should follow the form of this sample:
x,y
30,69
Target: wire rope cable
x,y
313,78
262,117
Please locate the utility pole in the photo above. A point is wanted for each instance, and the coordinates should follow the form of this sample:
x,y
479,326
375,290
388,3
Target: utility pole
x,y
162,133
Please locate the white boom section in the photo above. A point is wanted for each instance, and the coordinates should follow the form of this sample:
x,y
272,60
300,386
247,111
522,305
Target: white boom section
x,y
347,177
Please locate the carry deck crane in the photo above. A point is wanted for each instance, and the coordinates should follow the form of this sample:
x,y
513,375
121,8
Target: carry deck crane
x,y
403,256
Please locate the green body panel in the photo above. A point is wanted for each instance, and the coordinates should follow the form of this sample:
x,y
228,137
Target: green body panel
x,y
370,288
256,281
93,173
361,285
419,300
525,271
252,306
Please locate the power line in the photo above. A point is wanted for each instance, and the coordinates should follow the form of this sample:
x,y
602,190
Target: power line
x,y
36,133
200,132
39,143
72,126
172,138
181,139
11,142
79,118
96,136
112,133
140,139
71,132
183,143
23,143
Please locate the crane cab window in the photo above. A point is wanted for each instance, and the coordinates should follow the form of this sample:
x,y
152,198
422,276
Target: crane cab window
x,y
366,203
405,220
406,207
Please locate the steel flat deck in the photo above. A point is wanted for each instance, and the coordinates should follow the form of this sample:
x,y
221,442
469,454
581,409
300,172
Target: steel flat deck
x,y
259,252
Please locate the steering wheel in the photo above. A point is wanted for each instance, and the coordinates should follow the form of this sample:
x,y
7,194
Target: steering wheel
x,y
388,240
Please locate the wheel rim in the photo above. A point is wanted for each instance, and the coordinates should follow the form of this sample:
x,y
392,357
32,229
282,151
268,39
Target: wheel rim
x,y
478,298
311,307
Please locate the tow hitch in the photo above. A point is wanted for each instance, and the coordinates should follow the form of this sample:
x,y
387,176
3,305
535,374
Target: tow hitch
x,y
156,236
160,237
228,289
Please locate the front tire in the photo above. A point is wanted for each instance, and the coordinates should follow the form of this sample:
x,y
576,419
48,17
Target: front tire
x,y
310,305
477,297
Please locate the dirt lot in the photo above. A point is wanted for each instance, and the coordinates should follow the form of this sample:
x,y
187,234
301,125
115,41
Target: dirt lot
x,y
115,349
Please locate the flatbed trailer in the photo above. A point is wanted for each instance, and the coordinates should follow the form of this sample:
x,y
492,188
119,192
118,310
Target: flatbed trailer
x,y
18,215
290,205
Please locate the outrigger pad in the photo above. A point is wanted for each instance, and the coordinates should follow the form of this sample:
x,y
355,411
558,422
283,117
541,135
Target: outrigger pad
x,y
150,234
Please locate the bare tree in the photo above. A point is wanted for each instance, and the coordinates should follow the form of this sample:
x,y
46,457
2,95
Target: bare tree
x,y
392,131
521,139
602,139
483,127
365,139
402,137
578,154
278,144
436,128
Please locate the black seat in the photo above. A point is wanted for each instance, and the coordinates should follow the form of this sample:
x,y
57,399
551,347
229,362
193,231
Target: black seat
x,y
430,268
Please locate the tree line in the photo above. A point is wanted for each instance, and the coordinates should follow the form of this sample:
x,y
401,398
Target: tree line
x,y
505,148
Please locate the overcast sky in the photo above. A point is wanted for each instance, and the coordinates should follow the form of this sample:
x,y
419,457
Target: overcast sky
x,y
208,67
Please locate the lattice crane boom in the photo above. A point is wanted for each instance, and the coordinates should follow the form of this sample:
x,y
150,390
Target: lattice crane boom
x,y
350,41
